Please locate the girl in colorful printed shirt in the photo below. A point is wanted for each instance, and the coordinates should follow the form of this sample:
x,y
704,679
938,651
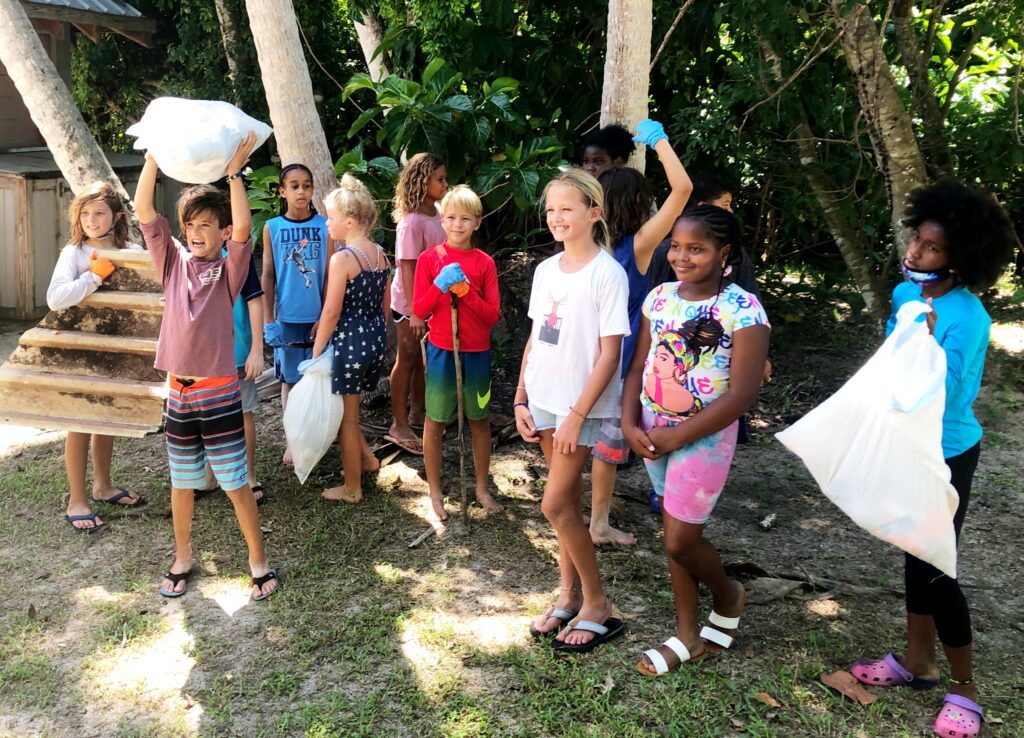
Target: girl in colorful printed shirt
x,y
696,369
963,239
296,247
98,221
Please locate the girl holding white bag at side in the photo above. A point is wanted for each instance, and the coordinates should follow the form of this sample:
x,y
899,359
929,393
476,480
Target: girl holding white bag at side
x,y
352,324
963,239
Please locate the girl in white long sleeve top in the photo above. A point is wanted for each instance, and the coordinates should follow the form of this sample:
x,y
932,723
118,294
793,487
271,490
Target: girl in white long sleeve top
x,y
98,221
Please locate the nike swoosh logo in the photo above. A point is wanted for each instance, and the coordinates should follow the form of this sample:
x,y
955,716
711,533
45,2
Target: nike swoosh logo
x,y
482,400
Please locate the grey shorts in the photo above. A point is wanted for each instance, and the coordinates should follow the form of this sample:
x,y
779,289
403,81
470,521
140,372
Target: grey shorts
x,y
250,397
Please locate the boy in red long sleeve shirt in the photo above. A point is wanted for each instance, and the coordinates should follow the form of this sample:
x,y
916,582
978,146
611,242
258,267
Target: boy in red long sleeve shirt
x,y
455,267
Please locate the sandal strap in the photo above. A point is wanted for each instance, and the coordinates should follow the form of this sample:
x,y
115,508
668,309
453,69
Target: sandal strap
x,y
175,578
591,626
678,648
716,636
966,704
87,516
260,581
657,661
893,663
723,622
562,614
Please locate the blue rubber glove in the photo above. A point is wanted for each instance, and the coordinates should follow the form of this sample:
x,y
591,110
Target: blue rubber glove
x,y
273,336
448,277
649,132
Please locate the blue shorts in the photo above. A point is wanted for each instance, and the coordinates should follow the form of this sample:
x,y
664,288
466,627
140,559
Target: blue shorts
x,y
543,420
288,358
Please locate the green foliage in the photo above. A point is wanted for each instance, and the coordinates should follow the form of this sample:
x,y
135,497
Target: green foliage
x,y
480,131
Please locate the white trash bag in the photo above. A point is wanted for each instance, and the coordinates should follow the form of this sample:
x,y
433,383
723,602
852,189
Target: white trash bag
x,y
875,446
313,415
193,140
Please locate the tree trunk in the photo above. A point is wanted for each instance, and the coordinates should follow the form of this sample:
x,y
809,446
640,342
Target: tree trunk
x,y
626,67
231,39
50,105
300,135
850,240
897,155
934,146
371,32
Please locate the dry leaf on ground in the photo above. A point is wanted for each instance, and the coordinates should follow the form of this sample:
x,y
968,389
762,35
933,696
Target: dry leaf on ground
x,y
847,685
767,699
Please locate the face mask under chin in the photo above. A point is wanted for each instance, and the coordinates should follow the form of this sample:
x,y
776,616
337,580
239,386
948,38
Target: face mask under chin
x,y
925,278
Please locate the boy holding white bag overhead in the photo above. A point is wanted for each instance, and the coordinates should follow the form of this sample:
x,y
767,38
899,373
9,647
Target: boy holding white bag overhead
x,y
204,411
963,239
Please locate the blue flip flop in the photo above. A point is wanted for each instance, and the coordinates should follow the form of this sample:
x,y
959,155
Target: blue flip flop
x,y
609,630
95,528
175,578
121,494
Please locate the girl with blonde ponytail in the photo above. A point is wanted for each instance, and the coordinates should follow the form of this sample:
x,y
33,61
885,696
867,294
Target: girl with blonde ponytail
x,y
578,308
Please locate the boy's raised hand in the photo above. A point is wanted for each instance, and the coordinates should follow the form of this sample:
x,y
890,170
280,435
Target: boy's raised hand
x,y
241,155
649,132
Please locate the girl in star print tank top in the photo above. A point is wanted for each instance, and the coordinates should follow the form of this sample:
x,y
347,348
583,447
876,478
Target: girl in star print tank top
x,y
352,322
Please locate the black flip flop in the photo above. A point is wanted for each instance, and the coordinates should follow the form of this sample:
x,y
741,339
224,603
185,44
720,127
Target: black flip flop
x,y
121,494
175,578
611,629
260,581
263,495
95,528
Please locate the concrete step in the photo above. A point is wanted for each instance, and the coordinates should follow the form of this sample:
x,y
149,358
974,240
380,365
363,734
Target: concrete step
x,y
86,341
18,377
78,425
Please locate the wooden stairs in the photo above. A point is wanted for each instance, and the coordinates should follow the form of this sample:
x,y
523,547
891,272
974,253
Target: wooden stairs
x,y
89,368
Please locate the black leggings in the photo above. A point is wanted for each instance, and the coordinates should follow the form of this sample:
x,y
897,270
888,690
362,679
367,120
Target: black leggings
x,y
929,591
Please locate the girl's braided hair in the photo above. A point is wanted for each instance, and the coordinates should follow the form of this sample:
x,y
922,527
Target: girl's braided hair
x,y
627,200
720,226
412,184
979,234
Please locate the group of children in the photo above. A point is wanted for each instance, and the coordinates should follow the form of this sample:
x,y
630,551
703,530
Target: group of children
x,y
634,346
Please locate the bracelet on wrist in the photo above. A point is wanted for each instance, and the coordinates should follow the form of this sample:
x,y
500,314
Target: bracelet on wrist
x,y
576,412
236,175
519,404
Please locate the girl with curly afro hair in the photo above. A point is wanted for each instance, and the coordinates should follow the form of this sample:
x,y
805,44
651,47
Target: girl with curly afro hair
x,y
962,242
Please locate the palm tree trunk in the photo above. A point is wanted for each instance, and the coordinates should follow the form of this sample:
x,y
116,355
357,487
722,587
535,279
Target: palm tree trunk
x,y
297,128
371,32
627,67
50,105
231,39
897,155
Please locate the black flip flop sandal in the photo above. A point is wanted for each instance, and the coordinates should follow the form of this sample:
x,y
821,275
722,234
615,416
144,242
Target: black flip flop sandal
x,y
260,581
198,494
263,495
175,578
121,494
611,629
94,528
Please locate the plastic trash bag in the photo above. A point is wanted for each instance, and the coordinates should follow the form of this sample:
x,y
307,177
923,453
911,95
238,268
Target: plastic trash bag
x,y
313,415
193,140
875,446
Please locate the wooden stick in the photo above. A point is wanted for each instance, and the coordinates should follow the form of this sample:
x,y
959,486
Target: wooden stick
x,y
425,535
461,409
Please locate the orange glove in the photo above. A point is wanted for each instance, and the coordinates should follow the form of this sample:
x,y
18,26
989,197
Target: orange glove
x,y
100,266
459,289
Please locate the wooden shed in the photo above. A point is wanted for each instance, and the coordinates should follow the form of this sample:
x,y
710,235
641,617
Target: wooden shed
x,y
33,196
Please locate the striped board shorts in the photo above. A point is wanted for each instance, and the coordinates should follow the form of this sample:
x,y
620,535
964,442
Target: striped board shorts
x,y
204,423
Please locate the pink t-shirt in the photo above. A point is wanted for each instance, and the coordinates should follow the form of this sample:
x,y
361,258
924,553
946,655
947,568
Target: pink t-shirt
x,y
197,332
416,234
